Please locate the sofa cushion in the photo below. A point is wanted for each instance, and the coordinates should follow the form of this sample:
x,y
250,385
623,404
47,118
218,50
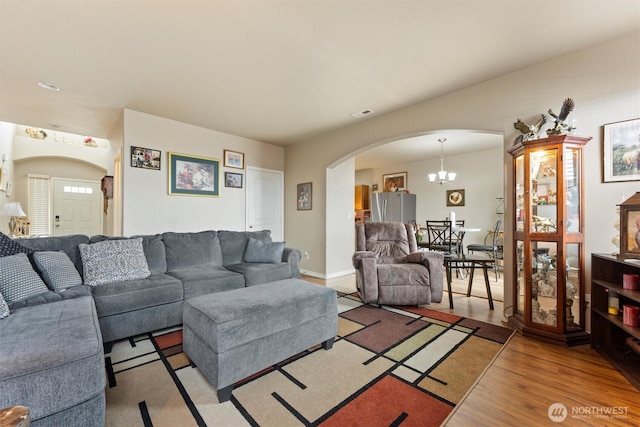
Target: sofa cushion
x,y
4,308
113,261
68,244
52,357
18,280
263,252
187,250
10,247
206,280
257,274
153,247
50,296
234,243
132,295
57,270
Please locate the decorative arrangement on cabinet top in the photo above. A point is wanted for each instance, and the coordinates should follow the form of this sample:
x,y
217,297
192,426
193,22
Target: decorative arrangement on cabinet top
x,y
560,126
630,227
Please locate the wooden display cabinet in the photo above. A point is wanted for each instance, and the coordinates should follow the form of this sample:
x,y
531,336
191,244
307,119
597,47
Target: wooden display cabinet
x,y
548,294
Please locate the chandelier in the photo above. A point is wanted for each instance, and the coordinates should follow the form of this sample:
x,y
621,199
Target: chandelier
x,y
442,177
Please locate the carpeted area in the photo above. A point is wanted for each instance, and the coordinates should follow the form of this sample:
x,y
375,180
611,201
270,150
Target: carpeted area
x,y
405,366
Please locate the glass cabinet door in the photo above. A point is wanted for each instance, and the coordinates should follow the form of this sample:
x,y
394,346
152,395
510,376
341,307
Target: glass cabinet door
x,y
572,167
544,283
519,184
543,186
520,279
573,285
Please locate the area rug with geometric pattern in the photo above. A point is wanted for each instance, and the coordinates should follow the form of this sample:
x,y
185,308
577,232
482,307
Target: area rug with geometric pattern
x,y
389,366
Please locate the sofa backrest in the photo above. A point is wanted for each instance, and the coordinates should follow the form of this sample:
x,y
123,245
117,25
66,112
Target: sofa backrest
x,y
234,243
68,244
188,250
153,246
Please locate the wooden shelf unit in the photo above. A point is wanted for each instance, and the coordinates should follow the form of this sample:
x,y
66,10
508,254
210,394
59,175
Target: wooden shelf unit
x,y
608,333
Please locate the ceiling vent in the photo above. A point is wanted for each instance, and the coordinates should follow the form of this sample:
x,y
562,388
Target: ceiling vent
x,y
362,113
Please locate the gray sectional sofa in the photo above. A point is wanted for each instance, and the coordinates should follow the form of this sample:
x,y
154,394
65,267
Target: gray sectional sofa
x,y
51,344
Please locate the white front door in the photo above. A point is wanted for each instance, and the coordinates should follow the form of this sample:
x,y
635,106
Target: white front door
x,y
77,207
265,202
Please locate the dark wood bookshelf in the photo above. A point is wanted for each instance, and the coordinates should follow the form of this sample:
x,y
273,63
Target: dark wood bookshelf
x,y
609,334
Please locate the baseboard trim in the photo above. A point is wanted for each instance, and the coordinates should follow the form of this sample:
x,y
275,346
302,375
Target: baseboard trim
x,y
326,276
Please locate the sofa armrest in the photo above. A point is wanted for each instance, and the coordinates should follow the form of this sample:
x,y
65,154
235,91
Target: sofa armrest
x,y
293,257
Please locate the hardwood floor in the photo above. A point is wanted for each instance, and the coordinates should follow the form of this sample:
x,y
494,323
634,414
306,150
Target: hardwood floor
x,y
529,376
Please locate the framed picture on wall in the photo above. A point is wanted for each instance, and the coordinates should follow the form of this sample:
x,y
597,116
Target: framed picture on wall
x,y
193,175
233,180
394,181
233,159
304,194
455,197
145,158
621,151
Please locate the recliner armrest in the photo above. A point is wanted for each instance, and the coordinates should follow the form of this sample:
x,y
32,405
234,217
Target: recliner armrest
x,y
358,256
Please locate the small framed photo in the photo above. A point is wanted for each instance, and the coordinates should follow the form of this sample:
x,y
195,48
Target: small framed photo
x,y
233,180
621,151
145,158
394,181
455,197
233,159
193,175
304,195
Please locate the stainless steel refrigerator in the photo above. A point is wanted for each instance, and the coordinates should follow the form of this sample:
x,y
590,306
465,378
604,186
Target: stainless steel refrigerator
x,y
395,207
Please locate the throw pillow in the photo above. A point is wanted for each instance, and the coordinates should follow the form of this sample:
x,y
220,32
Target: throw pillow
x,y
57,270
18,280
4,308
9,247
263,252
113,261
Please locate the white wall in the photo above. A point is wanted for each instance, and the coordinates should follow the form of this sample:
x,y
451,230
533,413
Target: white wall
x,y
340,218
6,147
603,81
146,205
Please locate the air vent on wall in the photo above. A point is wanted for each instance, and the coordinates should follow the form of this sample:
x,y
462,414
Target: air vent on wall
x,y
362,113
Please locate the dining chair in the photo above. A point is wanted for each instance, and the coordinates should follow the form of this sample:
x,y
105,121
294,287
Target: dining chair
x,y
443,237
492,246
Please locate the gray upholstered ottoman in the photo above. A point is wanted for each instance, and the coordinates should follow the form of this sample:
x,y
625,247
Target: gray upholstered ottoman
x,y
234,334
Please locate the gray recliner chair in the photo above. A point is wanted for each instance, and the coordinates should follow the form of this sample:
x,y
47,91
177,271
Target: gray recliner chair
x,y
389,268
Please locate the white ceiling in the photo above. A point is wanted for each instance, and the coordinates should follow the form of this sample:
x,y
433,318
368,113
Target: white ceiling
x,y
277,71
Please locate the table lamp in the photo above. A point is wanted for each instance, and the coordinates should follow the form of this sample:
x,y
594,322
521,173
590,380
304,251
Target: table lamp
x,y
12,210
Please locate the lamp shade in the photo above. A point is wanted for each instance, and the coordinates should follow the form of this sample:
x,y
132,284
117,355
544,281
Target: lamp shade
x,y
12,209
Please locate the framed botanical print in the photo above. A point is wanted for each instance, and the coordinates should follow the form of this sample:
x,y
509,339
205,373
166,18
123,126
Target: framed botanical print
x,y
193,175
